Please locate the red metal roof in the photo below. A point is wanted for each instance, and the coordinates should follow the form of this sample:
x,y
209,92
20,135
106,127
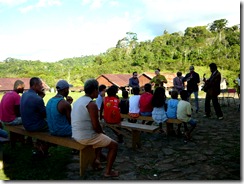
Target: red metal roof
x,y
119,80
7,84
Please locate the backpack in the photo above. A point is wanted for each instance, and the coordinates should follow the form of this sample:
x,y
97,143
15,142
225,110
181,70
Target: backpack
x,y
112,110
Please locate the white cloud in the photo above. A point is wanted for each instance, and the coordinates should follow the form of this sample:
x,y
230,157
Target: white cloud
x,y
12,2
40,4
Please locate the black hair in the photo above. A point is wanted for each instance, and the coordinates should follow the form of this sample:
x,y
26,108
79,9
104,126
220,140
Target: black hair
x,y
179,74
174,94
101,87
125,94
136,90
111,91
158,99
213,66
148,87
134,73
184,95
34,80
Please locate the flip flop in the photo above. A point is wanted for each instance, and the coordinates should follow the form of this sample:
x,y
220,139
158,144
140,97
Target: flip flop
x,y
112,174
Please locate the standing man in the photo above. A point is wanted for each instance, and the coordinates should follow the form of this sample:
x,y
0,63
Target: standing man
x,y
192,79
212,89
158,80
134,81
177,82
10,105
59,110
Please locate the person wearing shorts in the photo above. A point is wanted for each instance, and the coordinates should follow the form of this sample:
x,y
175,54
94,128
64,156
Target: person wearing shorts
x,y
87,130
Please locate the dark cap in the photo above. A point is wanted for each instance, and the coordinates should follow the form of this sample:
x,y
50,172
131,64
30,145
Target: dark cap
x,y
62,84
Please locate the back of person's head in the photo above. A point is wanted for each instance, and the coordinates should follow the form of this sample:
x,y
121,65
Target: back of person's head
x,y
90,86
158,99
148,87
102,87
174,94
136,90
184,94
18,84
111,91
34,81
115,87
213,66
125,94
179,74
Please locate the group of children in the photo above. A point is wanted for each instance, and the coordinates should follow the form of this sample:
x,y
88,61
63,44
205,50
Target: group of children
x,y
149,103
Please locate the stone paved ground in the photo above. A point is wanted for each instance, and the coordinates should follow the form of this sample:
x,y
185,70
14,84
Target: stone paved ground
x,y
212,154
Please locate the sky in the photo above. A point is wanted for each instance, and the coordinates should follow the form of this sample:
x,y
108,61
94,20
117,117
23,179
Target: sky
x,y
51,30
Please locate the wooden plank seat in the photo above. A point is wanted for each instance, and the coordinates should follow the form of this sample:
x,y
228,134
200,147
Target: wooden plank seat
x,y
135,130
87,153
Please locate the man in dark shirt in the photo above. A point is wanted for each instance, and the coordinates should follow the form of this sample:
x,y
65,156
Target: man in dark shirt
x,y
134,81
192,78
33,114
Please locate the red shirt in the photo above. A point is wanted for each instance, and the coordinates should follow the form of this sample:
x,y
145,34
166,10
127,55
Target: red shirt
x,y
111,110
7,106
145,102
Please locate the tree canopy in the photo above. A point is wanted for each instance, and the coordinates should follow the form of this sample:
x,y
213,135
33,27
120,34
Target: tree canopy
x,y
198,46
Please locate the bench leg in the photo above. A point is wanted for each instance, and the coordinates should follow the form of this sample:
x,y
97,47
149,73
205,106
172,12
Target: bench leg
x,y
87,156
136,139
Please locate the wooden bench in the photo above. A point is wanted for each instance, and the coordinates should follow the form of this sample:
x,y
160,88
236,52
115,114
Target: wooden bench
x,y
87,153
135,130
149,118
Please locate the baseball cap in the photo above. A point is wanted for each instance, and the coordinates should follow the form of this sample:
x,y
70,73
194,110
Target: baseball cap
x,y
62,84
191,68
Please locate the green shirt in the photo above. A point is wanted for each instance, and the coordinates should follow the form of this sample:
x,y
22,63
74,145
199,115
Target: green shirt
x,y
159,80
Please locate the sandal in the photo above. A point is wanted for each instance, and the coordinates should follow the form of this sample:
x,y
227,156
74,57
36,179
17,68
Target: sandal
x,y
112,174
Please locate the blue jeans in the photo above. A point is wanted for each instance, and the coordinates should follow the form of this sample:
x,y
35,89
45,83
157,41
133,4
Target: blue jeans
x,y
196,98
3,133
16,121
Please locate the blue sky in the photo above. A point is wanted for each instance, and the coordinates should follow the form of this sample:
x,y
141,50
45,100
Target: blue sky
x,y
51,30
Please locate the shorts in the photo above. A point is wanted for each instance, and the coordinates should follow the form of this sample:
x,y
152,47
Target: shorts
x,y
99,141
16,121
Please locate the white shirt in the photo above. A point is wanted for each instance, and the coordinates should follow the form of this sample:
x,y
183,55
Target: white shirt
x,y
134,104
80,120
183,109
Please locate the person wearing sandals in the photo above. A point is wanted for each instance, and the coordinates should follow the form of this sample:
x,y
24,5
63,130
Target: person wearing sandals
x,y
184,114
86,128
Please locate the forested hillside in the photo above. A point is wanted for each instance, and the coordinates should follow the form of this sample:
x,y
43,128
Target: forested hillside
x,y
198,46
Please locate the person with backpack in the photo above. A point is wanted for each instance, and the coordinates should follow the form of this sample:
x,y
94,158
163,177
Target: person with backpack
x,y
110,110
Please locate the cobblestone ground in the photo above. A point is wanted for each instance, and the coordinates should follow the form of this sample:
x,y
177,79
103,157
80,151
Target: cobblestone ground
x,y
212,154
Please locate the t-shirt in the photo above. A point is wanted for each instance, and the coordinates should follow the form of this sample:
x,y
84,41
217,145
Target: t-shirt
x,y
145,102
134,104
7,106
157,80
58,124
32,108
80,120
183,109
124,106
172,108
99,101
111,110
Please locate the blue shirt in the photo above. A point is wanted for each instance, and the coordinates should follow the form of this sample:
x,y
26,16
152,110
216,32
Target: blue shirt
x,y
33,111
57,123
172,108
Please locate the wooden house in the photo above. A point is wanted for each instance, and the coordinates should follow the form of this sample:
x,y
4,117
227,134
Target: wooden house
x,y
120,80
7,84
